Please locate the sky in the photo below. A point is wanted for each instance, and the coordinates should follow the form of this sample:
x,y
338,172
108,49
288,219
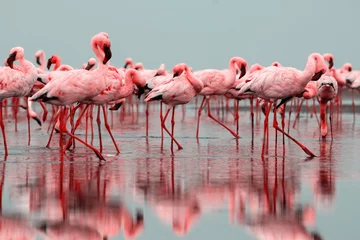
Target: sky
x,y
202,33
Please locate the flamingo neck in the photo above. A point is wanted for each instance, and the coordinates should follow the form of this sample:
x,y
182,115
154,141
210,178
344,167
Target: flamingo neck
x,y
42,61
138,80
26,65
195,82
99,56
309,70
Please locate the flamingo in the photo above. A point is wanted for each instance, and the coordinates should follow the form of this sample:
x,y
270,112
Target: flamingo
x,y
55,59
327,89
121,87
16,82
233,94
274,83
40,60
218,82
69,87
179,90
129,63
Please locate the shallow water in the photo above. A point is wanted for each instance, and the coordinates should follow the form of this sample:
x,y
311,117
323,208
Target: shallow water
x,y
215,187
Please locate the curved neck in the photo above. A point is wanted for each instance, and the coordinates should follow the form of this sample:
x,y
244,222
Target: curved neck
x,y
195,82
138,80
42,61
57,63
310,68
27,65
232,67
99,54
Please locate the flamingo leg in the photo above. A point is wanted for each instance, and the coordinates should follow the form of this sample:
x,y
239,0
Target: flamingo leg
x,y
172,128
290,110
55,119
298,112
168,132
323,123
161,120
330,120
63,126
305,149
147,118
221,124
3,128
45,111
86,123
109,130
28,122
266,125
77,124
98,121
92,123
199,115
252,115
237,115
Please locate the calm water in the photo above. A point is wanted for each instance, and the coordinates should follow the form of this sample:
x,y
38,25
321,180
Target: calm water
x,y
216,187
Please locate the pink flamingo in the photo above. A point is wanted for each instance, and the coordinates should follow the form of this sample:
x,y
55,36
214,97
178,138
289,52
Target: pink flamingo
x,y
327,89
276,64
40,60
218,82
274,83
129,63
16,82
234,94
118,89
79,85
180,90
55,59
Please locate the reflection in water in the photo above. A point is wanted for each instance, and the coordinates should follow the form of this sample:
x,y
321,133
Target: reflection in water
x,y
82,201
73,207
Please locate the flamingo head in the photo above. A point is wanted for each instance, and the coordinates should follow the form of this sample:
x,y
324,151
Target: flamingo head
x,y
91,63
347,67
128,61
178,69
321,67
15,54
55,59
38,55
139,66
330,59
242,64
276,64
101,41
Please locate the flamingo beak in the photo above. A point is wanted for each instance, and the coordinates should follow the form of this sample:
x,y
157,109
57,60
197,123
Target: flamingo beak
x,y
89,66
126,65
40,80
157,74
38,60
317,75
243,70
11,59
49,62
331,63
108,54
176,74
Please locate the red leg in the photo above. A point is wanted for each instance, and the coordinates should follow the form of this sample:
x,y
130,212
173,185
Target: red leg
x,y
290,110
55,119
77,124
147,118
98,121
221,124
199,115
45,111
266,124
92,123
323,123
98,154
109,130
330,120
3,129
298,112
275,125
28,122
172,128
86,124
168,132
